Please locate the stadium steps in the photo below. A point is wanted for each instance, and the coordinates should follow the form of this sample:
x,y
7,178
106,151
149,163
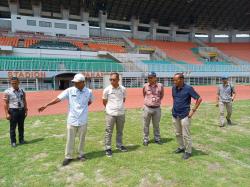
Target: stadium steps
x,y
180,51
238,50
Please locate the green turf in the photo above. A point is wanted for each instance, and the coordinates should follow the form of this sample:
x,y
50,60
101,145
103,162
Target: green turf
x,y
221,157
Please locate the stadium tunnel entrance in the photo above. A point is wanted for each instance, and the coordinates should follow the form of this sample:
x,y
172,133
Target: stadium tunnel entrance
x,y
63,81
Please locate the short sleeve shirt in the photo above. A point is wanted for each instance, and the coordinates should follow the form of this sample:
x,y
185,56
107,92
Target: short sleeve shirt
x,y
14,97
225,93
78,101
153,94
182,100
115,100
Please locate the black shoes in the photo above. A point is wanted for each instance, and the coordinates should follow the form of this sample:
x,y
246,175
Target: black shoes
x,y
81,158
66,161
13,145
158,142
22,142
229,122
186,156
145,143
122,148
109,153
179,150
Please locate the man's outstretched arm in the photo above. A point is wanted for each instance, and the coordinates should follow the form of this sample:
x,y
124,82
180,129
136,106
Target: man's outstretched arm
x,y
53,102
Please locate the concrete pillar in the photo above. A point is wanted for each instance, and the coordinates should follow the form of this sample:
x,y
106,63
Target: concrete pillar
x,y
153,29
13,5
102,22
37,8
134,27
65,13
232,36
84,15
192,34
172,32
211,36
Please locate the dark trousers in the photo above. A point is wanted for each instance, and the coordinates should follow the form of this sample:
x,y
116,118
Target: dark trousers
x,y
17,117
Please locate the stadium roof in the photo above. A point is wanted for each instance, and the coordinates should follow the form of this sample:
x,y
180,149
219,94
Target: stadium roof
x,y
204,14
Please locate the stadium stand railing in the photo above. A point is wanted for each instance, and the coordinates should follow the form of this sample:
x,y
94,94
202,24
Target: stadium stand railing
x,y
58,64
12,63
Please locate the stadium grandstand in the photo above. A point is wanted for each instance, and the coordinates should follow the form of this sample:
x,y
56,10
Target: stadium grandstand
x,y
45,43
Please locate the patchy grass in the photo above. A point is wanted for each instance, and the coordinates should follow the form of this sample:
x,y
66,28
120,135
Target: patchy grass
x,y
221,157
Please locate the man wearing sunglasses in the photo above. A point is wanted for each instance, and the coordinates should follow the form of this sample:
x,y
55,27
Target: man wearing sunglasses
x,y
79,98
114,97
153,93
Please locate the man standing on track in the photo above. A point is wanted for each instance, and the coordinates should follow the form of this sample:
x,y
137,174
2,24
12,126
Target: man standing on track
x,y
153,93
114,97
16,110
182,94
79,98
225,97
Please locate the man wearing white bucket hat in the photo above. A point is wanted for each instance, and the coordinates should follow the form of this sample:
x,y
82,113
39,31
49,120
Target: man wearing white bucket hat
x,y
79,98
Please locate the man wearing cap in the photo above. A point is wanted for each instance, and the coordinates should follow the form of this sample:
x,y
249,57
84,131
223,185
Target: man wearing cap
x,y
15,107
114,97
79,98
225,97
182,94
153,93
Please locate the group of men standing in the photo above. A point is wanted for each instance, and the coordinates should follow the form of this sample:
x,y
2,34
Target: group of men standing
x,y
114,96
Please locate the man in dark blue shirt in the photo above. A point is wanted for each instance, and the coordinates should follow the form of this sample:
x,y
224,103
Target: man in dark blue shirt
x,y
182,94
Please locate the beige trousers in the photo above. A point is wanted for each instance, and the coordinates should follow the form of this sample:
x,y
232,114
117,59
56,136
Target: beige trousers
x,y
222,106
111,121
182,132
72,132
153,114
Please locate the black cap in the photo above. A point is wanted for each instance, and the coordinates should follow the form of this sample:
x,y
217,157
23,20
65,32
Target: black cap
x,y
14,79
152,74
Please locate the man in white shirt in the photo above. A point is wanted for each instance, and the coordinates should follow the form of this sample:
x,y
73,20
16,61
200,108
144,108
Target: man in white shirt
x,y
114,97
79,98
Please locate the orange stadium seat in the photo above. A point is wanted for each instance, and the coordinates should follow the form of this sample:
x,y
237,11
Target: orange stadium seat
x,y
78,44
106,47
9,41
239,50
29,41
180,51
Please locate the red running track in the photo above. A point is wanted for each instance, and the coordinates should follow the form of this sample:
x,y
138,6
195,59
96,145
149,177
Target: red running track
x,y
134,99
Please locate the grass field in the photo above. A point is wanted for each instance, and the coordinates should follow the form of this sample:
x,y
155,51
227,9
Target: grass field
x,y
221,157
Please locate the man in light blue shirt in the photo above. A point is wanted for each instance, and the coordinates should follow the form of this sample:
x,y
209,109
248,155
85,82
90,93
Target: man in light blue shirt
x,y
79,98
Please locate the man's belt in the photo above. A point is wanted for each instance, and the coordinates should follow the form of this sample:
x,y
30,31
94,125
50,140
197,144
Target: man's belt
x,y
152,106
16,109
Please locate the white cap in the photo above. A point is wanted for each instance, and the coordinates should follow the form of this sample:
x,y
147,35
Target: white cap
x,y
78,78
